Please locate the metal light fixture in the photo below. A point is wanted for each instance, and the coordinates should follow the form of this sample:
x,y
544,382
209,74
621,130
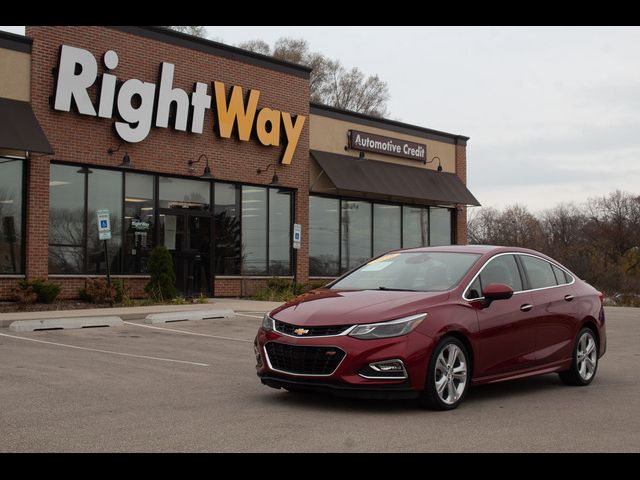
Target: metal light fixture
x,y
126,160
361,157
439,163
274,179
207,170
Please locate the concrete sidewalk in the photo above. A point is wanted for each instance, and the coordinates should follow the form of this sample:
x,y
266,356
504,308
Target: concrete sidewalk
x,y
137,313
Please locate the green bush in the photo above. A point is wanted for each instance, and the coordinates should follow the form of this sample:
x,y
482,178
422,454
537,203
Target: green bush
x,y
97,291
46,292
162,285
283,290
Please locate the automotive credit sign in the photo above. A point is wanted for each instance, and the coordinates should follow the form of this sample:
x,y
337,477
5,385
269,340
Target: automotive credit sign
x,y
371,142
141,105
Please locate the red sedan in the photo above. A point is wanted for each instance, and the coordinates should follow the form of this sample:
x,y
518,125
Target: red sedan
x,y
429,322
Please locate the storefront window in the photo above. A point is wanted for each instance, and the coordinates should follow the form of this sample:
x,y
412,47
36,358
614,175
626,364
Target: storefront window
x,y
386,228
227,229
11,171
66,219
138,222
440,226
324,238
187,194
415,227
356,233
279,232
254,230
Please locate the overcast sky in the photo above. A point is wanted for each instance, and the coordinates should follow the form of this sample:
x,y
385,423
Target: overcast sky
x,y
553,112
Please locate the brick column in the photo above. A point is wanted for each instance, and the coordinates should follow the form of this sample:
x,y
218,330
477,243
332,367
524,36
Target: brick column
x,y
461,172
37,215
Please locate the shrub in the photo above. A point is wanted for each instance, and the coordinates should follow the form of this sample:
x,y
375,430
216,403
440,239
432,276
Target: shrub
x,y
24,296
46,292
162,285
282,289
97,291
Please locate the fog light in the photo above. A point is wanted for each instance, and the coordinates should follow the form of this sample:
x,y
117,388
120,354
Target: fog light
x,y
386,369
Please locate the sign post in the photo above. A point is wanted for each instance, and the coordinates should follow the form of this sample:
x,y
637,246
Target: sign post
x,y
297,238
104,233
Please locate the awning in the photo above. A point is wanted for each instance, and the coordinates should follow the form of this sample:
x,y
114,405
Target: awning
x,y
19,128
390,179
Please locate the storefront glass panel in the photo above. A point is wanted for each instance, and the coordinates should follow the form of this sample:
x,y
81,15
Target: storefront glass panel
x,y
324,237
11,172
356,233
227,229
279,232
415,227
254,230
440,226
138,222
187,194
386,228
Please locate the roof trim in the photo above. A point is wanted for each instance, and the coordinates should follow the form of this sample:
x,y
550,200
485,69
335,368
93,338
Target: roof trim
x,y
166,35
384,123
12,41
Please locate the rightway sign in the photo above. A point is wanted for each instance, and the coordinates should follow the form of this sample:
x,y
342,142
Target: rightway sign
x,y
104,224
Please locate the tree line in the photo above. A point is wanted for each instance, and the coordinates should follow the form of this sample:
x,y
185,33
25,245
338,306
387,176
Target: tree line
x,y
599,239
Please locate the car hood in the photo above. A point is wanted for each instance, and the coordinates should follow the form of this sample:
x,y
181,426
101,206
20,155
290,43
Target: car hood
x,y
350,307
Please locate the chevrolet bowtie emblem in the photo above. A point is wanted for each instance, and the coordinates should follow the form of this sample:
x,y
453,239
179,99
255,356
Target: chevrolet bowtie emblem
x,y
301,331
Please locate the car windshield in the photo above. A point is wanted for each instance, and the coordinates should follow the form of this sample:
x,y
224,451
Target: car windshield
x,y
410,271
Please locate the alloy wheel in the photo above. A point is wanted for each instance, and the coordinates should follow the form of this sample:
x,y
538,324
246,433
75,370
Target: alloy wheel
x,y
450,374
587,356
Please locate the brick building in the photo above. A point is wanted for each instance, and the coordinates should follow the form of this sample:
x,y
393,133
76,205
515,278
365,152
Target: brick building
x,y
210,150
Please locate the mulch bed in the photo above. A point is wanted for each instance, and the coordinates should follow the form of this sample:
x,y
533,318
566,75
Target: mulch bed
x,y
9,307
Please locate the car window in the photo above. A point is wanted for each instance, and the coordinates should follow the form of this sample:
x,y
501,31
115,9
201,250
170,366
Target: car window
x,y
539,272
561,278
475,289
502,269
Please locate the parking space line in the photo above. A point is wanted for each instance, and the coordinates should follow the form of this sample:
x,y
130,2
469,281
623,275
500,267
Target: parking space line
x,y
189,333
245,315
106,351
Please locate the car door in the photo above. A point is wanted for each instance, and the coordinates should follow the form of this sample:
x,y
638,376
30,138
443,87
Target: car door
x,y
506,328
554,309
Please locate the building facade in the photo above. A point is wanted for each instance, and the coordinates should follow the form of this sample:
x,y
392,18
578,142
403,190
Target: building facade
x,y
209,150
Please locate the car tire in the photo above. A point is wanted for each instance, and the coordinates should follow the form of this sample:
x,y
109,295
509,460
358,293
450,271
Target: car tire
x,y
585,360
447,381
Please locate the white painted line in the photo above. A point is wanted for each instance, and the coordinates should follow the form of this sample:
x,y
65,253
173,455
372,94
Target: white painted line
x,y
106,351
189,333
245,315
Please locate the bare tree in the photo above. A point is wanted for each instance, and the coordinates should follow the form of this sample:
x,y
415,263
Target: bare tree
x,y
195,30
330,82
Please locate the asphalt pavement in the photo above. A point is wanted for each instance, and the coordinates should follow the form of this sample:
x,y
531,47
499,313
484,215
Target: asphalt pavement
x,y
191,387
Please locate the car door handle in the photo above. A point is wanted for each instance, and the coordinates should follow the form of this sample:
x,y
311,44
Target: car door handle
x,y
526,307
568,298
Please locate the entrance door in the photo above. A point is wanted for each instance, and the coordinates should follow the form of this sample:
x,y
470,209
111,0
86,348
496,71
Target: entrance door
x,y
188,238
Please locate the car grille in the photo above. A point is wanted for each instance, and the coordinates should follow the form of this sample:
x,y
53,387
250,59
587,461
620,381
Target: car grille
x,y
289,329
304,360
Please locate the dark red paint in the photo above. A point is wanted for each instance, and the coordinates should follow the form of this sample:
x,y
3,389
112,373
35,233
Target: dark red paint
x,y
505,341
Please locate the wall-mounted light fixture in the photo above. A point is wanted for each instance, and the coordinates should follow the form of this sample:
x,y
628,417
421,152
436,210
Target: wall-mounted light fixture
x,y
126,160
274,178
207,170
439,163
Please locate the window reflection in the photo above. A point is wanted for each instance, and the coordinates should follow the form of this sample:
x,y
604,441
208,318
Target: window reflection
x,y
386,228
356,233
138,222
11,215
227,229
254,229
324,239
415,227
181,193
440,226
279,232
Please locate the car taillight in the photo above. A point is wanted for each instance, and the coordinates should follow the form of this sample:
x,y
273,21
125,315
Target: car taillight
x,y
601,315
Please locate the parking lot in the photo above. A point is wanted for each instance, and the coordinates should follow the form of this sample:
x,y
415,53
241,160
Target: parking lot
x,y
191,386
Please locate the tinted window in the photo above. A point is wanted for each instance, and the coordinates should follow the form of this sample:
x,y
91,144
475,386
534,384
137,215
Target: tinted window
x,y
386,228
279,232
227,229
440,226
254,230
502,269
560,276
419,271
324,238
539,272
356,233
11,215
415,227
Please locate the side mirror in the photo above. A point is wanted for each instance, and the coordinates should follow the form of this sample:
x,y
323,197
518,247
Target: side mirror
x,y
496,291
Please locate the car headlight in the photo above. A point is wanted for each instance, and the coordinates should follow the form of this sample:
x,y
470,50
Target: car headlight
x,y
267,323
394,328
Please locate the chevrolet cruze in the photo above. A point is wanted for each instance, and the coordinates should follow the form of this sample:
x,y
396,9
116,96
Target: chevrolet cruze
x,y
428,323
